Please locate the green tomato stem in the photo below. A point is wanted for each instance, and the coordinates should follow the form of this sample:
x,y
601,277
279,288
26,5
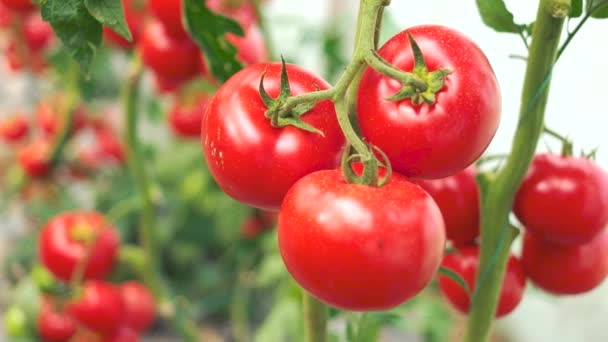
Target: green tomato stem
x,y
498,198
315,319
72,92
150,267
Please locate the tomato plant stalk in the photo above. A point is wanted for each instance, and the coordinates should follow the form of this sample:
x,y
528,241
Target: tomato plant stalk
x,y
498,192
147,231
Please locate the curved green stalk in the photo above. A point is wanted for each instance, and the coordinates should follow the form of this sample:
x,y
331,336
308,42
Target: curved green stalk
x,y
71,101
497,198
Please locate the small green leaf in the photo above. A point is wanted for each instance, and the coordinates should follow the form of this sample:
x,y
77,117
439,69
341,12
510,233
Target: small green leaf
x,y
77,29
455,277
298,123
111,14
576,8
209,31
601,9
495,14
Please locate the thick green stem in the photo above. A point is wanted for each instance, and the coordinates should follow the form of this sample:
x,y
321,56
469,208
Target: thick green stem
x,y
150,267
497,199
315,319
72,93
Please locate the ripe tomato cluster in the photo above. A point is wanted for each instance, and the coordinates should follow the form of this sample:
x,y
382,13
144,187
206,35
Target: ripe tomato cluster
x,y
563,204
28,37
33,146
81,248
385,242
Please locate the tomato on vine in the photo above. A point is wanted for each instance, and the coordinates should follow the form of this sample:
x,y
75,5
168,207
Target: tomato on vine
x,y
98,307
458,198
135,13
34,158
71,238
14,129
429,131
566,269
139,306
169,13
346,245
254,162
54,324
186,118
167,56
465,262
251,47
49,120
37,33
563,199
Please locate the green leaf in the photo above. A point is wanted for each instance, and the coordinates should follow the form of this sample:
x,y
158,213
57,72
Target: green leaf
x,y
576,8
77,29
111,14
455,277
209,31
495,14
601,11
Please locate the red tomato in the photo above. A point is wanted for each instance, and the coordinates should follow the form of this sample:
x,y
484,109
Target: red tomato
x,y
99,307
358,247
458,198
563,269
33,158
186,119
432,141
166,85
169,57
14,129
47,117
134,16
254,162
124,334
6,16
110,147
19,5
63,244
139,306
563,199
252,227
169,13
251,48
54,325
465,262
15,58
37,33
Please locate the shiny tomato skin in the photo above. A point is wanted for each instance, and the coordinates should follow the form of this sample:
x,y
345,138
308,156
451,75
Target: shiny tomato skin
x,y
19,5
254,162
465,262
139,306
566,269
432,141
134,16
14,128
358,247
34,158
186,119
99,307
60,249
251,48
458,198
54,325
37,33
563,199
169,13
169,57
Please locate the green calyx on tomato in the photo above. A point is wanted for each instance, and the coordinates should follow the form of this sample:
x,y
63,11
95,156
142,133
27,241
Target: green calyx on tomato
x,y
421,85
280,116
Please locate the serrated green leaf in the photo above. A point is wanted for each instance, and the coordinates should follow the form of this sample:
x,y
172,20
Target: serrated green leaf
x,y
77,29
601,11
576,8
111,14
209,32
495,14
